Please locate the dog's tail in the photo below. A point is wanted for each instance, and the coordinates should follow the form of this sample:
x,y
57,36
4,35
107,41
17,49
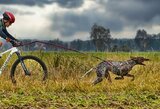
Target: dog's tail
x,y
88,72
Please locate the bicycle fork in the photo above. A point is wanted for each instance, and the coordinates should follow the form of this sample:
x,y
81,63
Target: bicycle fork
x,y
23,65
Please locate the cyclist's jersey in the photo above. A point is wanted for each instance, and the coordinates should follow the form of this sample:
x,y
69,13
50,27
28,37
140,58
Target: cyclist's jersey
x,y
3,31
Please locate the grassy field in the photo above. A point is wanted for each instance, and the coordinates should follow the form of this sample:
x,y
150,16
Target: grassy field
x,y
64,89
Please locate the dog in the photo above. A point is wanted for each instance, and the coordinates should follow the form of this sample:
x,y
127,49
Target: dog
x,y
120,68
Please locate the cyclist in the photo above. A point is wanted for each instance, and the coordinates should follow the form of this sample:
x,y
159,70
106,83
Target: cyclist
x,y
6,21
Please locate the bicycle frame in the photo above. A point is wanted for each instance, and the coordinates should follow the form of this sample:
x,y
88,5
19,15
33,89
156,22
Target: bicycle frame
x,y
12,51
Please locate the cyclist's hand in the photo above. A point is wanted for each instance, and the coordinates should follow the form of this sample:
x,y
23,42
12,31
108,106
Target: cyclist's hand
x,y
1,44
8,39
14,43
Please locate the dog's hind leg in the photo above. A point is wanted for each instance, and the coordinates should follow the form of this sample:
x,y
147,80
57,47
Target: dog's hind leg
x,y
99,77
129,75
108,77
97,80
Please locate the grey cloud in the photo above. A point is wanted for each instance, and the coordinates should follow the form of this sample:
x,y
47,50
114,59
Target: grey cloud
x,y
26,2
118,14
16,11
70,23
62,3
135,11
70,3
122,13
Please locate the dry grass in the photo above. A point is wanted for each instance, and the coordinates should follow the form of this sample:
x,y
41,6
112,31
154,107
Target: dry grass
x,y
64,88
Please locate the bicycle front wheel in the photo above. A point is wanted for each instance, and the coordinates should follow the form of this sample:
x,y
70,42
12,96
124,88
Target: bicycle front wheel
x,y
35,66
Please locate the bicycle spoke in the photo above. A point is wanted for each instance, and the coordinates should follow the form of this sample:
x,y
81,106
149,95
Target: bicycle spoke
x,y
36,69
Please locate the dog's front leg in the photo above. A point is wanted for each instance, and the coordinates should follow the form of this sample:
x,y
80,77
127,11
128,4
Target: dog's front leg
x,y
129,75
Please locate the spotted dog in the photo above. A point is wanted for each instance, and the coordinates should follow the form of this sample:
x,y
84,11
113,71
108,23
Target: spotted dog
x,y
120,68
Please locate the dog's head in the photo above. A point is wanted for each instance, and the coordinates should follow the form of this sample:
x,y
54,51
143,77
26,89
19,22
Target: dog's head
x,y
139,60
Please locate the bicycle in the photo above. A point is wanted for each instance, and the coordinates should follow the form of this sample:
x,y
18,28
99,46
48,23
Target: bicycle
x,y
29,65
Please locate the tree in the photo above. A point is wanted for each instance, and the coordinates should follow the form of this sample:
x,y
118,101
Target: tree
x,y
115,48
142,40
101,37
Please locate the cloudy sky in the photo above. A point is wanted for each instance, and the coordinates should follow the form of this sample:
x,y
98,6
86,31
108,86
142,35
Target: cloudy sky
x,y
73,19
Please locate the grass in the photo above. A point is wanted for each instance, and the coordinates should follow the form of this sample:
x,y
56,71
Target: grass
x,y
65,89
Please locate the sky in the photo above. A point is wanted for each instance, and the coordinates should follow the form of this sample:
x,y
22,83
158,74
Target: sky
x,y
72,19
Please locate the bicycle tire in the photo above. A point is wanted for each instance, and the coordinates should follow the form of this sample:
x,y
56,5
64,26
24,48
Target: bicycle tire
x,y
16,67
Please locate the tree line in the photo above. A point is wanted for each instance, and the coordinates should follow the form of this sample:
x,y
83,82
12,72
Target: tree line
x,y
101,40
143,41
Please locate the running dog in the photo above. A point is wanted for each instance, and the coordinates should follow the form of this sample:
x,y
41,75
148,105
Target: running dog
x,y
120,68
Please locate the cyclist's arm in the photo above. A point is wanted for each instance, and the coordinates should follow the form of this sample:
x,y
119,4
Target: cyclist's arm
x,y
2,34
7,35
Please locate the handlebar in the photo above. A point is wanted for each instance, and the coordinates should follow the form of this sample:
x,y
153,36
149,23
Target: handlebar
x,y
15,43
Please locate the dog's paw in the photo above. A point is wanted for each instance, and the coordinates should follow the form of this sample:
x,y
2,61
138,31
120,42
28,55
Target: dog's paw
x,y
118,78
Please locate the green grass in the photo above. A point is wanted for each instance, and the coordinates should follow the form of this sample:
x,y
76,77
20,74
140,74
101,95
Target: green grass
x,y
65,89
